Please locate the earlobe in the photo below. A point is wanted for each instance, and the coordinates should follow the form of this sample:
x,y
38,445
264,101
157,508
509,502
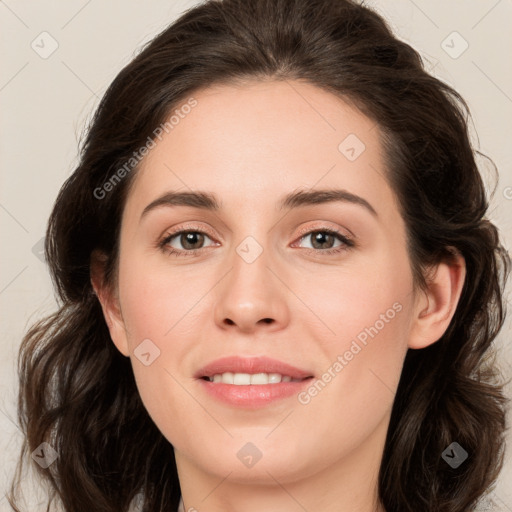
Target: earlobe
x,y
109,303
436,305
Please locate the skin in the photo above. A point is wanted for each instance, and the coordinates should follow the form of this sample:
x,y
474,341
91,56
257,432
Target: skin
x,y
251,144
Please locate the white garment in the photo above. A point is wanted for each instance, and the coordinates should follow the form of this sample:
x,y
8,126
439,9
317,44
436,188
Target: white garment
x,y
136,504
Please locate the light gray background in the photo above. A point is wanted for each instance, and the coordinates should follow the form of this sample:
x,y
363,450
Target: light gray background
x,y
45,101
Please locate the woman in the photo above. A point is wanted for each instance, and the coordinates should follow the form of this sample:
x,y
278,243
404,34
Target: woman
x,y
203,356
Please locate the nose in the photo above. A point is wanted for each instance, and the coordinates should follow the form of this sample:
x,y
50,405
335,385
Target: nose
x,y
252,296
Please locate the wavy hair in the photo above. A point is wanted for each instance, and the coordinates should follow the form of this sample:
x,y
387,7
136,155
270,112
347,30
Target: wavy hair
x,y
77,391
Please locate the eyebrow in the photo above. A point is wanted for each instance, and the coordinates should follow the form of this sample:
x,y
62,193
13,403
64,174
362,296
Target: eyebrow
x,y
208,201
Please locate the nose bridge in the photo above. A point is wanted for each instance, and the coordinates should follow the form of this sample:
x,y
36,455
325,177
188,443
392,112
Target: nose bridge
x,y
252,253
250,293
250,270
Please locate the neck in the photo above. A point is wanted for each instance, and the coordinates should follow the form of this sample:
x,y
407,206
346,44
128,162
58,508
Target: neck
x,y
346,485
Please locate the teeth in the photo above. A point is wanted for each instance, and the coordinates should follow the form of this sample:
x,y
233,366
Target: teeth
x,y
245,379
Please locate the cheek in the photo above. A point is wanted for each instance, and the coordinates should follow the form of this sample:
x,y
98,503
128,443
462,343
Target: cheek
x,y
365,298
154,299
156,305
363,336
353,394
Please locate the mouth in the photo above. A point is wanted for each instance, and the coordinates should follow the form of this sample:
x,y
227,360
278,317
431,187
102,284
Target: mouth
x,y
250,379
244,371
251,382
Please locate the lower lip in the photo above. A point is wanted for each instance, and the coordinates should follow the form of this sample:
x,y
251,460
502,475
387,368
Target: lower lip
x,y
253,396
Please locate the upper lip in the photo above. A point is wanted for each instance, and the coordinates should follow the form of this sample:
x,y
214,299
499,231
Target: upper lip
x,y
237,364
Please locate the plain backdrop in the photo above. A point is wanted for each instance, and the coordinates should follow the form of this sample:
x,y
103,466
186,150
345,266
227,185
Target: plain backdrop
x,y
57,59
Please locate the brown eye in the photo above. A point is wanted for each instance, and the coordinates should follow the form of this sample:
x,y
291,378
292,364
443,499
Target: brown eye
x,y
325,240
191,240
322,240
184,241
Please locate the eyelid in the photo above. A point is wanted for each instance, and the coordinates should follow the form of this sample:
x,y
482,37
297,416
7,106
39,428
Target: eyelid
x,y
301,233
346,239
188,227
326,227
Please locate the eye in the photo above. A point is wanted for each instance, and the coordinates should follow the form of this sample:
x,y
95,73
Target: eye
x,y
322,240
184,242
190,242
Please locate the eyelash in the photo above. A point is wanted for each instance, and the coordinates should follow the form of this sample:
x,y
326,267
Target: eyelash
x,y
348,243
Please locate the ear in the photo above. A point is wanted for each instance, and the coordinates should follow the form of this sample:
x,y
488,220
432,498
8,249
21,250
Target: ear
x,y
109,302
436,306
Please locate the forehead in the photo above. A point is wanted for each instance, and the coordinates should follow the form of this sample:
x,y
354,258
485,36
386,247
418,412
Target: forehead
x,y
256,142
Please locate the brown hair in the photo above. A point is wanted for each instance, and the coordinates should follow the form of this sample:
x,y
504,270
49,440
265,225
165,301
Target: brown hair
x,y
77,391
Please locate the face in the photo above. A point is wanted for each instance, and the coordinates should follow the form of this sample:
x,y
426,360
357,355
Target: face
x,y
323,286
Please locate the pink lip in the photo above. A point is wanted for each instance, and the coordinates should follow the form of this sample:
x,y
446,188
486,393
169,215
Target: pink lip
x,y
237,364
251,396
